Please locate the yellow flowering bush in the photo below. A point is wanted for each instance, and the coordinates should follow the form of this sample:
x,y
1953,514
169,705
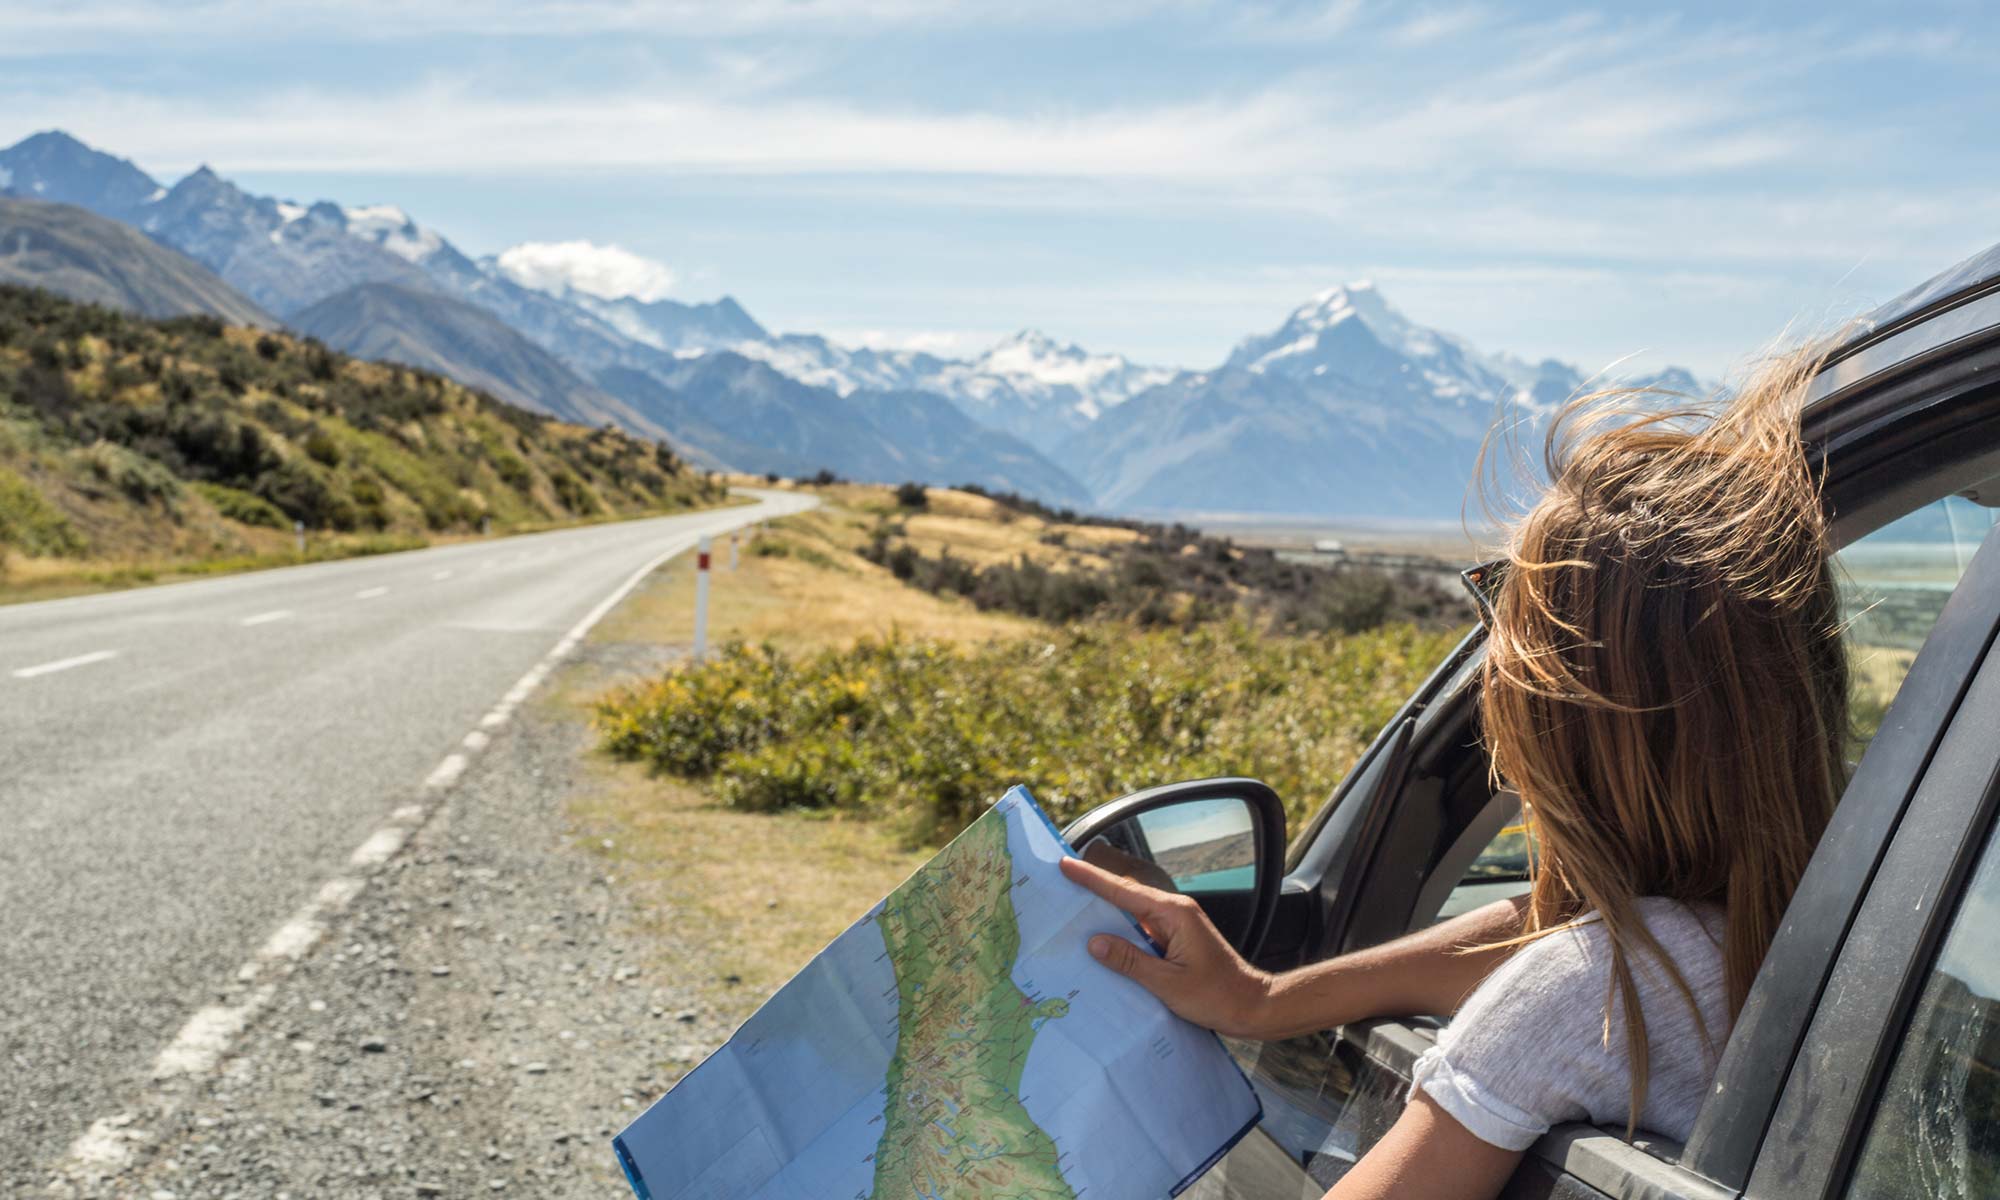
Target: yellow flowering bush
x,y
928,733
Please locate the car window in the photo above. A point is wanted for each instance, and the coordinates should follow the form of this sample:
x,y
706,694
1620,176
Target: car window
x,y
1893,583
1936,1131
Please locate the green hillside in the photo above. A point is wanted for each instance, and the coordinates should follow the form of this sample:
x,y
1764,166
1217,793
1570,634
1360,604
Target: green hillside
x,y
169,444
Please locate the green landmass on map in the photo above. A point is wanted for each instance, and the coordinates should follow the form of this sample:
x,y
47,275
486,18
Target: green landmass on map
x,y
954,1127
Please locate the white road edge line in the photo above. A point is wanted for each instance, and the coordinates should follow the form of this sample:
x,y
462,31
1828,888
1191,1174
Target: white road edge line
x,y
210,1033
64,664
371,593
265,618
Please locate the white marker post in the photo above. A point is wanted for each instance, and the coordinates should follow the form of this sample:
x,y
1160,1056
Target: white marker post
x,y
299,532
732,550
701,599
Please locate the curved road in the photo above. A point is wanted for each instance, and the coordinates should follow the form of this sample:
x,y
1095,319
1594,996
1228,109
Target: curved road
x,y
183,766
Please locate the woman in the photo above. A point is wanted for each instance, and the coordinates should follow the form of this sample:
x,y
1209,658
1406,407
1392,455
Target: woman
x,y
1665,688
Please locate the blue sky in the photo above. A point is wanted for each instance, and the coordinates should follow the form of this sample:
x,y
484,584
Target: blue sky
x,y
1156,177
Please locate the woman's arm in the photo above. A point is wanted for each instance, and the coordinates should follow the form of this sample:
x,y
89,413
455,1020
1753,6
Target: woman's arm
x,y
1428,1153
1202,978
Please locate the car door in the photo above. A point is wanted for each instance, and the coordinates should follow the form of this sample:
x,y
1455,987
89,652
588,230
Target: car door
x,y
1915,442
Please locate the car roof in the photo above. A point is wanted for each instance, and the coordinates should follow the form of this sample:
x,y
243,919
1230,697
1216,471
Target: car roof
x,y
1906,327
1976,274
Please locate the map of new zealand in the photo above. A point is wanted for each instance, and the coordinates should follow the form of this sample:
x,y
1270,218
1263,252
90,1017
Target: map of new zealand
x,y
956,1043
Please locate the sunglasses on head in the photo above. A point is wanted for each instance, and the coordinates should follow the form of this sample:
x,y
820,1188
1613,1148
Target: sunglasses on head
x,y
1482,583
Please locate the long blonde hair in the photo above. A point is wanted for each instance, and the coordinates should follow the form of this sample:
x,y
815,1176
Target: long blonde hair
x,y
1665,684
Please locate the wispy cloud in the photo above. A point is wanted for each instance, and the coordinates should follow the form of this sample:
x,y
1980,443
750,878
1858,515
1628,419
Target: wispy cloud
x,y
35,26
453,125
1435,25
1479,157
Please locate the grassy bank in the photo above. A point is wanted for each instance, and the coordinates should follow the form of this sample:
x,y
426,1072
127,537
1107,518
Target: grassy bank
x,y
135,450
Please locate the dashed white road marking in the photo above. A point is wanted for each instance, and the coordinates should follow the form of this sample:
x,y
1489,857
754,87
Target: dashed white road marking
x,y
109,1143
265,618
64,664
371,593
441,576
447,772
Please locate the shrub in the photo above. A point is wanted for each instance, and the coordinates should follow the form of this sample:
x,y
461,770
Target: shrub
x,y
241,506
927,734
1177,574
572,493
912,495
321,448
513,471
774,546
29,523
139,478
304,491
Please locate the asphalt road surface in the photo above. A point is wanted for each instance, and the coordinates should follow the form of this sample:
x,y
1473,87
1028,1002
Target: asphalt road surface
x,y
183,766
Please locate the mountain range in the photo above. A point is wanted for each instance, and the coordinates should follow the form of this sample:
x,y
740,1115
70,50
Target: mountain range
x,y
1348,408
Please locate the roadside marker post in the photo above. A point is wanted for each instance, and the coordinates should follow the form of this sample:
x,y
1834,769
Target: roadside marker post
x,y
701,599
299,533
732,551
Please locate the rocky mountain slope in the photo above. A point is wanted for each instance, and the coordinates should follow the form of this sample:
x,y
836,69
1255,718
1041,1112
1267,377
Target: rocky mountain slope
x,y
389,322
78,254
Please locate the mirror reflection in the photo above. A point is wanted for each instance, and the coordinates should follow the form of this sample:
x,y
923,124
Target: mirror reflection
x,y
1196,847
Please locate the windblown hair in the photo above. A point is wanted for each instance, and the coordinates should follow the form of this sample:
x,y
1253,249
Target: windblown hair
x,y
1665,684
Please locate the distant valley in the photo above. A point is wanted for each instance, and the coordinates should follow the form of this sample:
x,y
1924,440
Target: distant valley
x,y
1347,409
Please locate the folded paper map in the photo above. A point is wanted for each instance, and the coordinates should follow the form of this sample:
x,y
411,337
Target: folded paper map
x,y
957,1043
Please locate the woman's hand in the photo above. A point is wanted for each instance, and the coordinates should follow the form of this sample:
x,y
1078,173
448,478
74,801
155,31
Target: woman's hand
x,y
1198,975
1100,853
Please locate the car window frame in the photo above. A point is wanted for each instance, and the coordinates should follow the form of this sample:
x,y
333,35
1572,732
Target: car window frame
x,y
1860,1022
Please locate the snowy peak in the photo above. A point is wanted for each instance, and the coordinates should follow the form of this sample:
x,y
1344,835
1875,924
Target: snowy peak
x,y
392,229
1038,367
1336,325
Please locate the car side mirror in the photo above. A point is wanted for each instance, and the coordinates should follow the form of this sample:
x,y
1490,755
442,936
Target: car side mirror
x,y
1220,841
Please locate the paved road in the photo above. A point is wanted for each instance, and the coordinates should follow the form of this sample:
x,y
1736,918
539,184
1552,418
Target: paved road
x,y
183,766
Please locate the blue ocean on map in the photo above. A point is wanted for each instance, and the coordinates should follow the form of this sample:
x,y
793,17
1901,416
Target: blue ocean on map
x,y
792,1106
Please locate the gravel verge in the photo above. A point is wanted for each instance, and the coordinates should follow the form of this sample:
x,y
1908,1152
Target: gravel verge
x,y
480,1021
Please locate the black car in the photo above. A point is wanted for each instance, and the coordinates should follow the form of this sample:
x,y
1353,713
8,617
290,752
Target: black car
x,y
1866,1061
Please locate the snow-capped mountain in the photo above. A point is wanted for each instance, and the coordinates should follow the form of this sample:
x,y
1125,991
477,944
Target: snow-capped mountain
x,y
1347,407
1030,385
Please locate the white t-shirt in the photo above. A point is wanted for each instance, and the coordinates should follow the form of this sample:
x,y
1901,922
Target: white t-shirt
x,y
1527,1050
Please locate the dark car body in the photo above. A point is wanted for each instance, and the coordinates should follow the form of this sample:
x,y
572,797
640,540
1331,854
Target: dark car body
x,y
1904,421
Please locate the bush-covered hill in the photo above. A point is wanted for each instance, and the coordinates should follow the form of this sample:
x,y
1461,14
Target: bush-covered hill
x,y
125,438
